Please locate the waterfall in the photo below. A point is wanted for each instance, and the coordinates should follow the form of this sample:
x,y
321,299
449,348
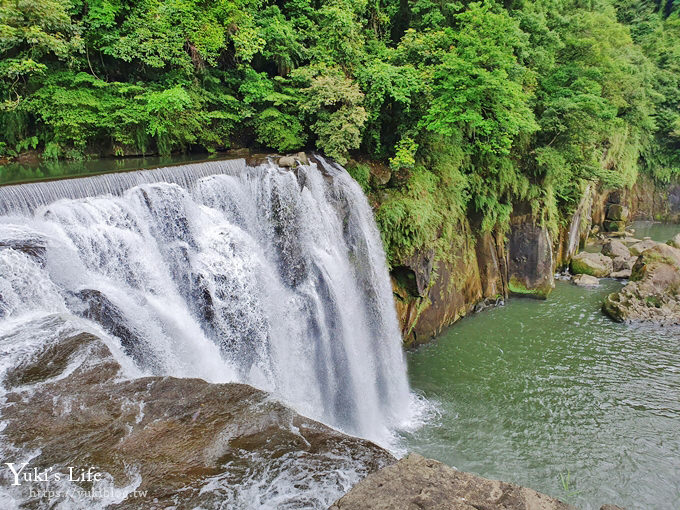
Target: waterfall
x,y
222,271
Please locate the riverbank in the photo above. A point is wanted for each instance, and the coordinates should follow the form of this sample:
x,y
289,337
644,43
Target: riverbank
x,y
541,392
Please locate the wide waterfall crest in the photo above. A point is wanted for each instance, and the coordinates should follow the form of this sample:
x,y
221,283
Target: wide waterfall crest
x,y
223,271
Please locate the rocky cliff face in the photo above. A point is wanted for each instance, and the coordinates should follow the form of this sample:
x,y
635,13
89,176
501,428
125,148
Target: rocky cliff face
x,y
481,270
432,293
646,200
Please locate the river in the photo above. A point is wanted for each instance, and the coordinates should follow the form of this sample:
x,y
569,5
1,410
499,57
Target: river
x,y
556,396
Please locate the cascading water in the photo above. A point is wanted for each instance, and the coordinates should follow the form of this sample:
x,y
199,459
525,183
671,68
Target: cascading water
x,y
220,271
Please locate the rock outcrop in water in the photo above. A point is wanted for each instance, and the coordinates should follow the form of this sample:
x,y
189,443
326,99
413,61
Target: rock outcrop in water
x,y
653,293
176,442
530,258
593,264
417,482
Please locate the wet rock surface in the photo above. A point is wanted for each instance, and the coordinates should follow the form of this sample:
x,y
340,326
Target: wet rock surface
x,y
417,482
23,240
168,438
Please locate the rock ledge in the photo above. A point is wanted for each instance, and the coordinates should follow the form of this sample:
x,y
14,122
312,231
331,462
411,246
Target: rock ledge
x,y
419,483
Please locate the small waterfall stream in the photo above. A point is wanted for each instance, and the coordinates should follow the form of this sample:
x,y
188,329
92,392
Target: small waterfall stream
x,y
220,271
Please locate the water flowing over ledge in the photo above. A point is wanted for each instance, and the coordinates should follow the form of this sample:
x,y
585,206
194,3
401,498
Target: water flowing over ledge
x,y
220,271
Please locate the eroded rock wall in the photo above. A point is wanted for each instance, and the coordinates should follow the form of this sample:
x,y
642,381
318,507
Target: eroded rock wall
x,y
646,200
531,263
433,292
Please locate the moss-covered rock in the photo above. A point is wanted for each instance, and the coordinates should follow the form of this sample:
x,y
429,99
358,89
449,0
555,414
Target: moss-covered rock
x,y
638,248
593,264
614,226
675,242
618,212
530,259
519,288
653,293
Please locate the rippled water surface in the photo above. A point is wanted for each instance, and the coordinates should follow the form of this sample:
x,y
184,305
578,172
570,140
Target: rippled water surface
x,y
538,391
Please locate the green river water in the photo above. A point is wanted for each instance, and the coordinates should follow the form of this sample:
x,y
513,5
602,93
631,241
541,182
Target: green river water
x,y
555,396
15,173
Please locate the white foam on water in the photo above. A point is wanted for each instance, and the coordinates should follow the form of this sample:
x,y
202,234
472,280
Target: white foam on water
x,y
271,277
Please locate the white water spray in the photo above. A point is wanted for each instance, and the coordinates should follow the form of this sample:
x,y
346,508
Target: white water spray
x,y
221,271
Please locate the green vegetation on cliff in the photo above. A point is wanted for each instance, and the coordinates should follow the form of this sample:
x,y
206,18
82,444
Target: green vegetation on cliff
x,y
473,105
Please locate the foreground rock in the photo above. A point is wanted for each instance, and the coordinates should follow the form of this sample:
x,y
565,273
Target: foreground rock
x,y
638,248
675,242
180,443
419,483
653,293
584,280
614,248
593,264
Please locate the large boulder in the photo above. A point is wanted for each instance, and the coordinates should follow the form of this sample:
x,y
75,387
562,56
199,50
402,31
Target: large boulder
x,y
653,293
287,161
416,482
530,259
614,248
593,264
179,442
638,248
624,263
584,280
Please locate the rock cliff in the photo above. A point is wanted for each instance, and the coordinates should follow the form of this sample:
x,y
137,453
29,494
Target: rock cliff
x,y
483,269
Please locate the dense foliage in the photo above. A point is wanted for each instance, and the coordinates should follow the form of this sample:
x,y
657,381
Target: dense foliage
x,y
474,105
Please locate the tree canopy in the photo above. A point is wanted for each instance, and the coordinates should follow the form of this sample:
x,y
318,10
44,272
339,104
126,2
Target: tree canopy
x,y
479,104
